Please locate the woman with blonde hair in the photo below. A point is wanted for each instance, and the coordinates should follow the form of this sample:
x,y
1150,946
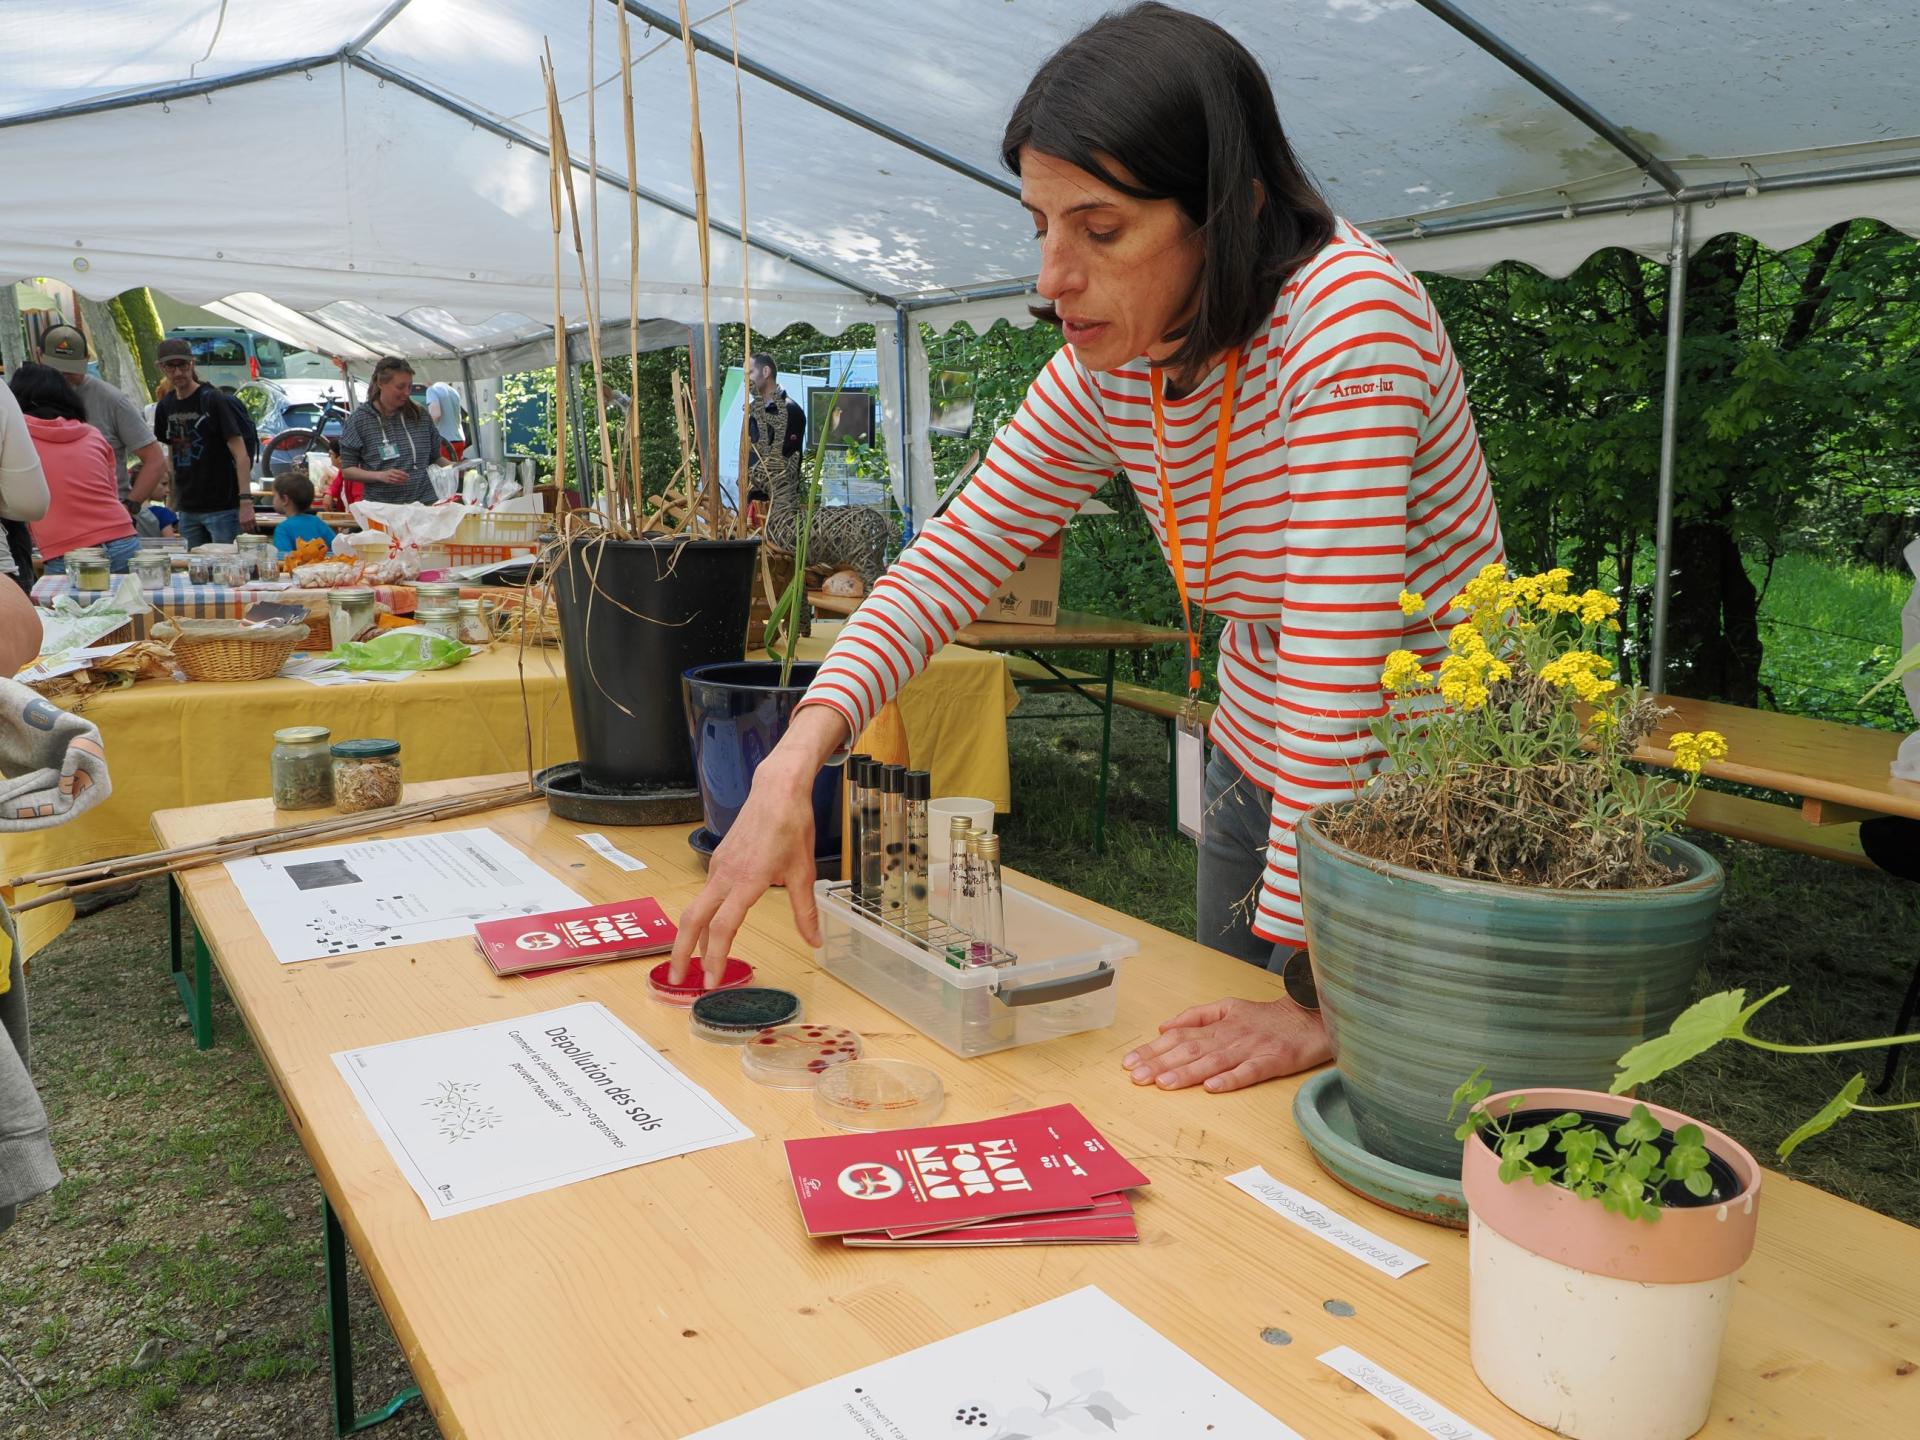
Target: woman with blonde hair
x,y
387,443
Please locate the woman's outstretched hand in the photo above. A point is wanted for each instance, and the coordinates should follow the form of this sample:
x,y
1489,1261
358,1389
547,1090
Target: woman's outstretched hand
x,y
1231,1044
771,841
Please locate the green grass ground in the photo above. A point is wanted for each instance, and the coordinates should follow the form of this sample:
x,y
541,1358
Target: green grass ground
x,y
1830,631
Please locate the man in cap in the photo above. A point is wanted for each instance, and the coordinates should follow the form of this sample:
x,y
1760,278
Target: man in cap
x,y
211,468
110,411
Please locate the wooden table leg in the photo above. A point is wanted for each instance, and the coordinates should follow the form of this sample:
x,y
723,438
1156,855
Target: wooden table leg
x,y
196,989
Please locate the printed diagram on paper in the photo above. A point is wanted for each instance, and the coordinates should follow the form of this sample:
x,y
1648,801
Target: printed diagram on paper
x,y
379,894
476,1116
1079,1365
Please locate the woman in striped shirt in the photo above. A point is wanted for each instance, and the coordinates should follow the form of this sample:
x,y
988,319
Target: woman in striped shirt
x,y
1269,377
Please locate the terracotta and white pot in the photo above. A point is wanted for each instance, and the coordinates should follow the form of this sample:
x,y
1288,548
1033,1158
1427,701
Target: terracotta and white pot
x,y
1587,1322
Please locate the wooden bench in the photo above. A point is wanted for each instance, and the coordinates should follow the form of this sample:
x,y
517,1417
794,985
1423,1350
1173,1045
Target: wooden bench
x,y
1738,817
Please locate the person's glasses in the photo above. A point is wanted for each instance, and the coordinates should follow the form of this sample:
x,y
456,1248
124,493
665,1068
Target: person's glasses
x,y
175,364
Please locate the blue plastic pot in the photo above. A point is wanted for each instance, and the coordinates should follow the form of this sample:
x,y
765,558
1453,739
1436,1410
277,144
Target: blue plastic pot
x,y
737,711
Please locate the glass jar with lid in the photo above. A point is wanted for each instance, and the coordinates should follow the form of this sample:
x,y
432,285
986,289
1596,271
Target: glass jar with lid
x,y
199,569
262,559
475,628
366,775
152,568
350,612
302,768
88,570
436,592
440,618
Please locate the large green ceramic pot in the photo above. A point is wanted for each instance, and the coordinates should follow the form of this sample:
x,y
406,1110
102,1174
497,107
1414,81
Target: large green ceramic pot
x,y
1423,978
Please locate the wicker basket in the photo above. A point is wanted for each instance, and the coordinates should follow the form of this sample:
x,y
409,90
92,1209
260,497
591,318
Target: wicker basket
x,y
231,655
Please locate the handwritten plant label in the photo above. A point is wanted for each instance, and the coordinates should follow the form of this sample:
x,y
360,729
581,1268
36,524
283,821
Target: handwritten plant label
x,y
607,850
1388,1388
1302,1210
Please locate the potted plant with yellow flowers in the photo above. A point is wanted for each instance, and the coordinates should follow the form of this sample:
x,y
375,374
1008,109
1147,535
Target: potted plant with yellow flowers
x,y
1506,891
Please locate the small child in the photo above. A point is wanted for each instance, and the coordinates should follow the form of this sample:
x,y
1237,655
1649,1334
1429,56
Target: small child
x,y
293,498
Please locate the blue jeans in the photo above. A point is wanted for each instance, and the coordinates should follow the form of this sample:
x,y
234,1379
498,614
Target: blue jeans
x,y
119,553
1233,863
197,527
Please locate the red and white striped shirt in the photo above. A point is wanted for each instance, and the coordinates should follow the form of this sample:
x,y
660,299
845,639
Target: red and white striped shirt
x,y
1353,472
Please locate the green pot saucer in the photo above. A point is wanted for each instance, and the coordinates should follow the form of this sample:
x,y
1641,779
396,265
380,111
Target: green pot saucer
x,y
1325,1120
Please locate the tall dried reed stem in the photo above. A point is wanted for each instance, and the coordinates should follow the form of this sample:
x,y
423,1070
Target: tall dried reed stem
x,y
709,482
559,316
634,490
565,160
746,269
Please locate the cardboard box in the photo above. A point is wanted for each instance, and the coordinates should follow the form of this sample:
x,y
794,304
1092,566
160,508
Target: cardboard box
x,y
1031,595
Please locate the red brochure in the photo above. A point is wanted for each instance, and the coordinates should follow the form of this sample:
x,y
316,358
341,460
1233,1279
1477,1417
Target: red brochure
x,y
562,938
942,1176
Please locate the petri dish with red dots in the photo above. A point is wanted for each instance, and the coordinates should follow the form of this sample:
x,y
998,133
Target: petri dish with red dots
x,y
690,989
793,1057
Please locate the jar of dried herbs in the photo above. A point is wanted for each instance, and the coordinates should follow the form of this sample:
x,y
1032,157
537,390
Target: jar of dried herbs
x,y
302,768
444,619
366,774
475,628
88,569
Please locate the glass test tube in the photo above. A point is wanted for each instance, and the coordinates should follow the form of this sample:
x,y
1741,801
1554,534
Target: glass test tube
x,y
870,882
919,789
893,841
959,916
856,773
987,1023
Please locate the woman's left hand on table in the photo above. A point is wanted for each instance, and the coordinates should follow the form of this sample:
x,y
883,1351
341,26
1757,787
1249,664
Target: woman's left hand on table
x,y
1231,1044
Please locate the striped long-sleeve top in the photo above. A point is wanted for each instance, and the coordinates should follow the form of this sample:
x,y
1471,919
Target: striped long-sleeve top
x,y
1353,472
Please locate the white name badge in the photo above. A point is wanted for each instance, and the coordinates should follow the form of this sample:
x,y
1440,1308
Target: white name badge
x,y
1190,778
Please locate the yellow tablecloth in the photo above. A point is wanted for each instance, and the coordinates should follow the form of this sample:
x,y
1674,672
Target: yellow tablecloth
x,y
171,744
956,713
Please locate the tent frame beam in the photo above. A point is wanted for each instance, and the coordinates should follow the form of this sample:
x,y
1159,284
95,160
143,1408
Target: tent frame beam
x,y
1669,421
1649,164
1389,232
660,20
686,212
179,90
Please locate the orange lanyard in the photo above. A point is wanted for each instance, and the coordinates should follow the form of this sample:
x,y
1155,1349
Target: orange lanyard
x,y
1229,397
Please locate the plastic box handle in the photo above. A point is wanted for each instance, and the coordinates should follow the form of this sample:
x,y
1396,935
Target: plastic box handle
x,y
1040,992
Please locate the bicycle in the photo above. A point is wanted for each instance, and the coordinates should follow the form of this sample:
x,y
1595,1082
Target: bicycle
x,y
293,445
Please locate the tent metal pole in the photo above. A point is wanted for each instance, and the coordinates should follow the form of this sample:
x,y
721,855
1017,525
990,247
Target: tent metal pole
x,y
686,212
473,398
1669,414
380,22
660,20
903,323
180,90
1656,169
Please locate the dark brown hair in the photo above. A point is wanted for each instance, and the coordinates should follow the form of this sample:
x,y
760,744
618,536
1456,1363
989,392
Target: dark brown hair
x,y
44,394
297,489
1186,109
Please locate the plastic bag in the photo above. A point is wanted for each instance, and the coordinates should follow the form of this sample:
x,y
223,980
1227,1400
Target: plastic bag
x,y
414,648
446,481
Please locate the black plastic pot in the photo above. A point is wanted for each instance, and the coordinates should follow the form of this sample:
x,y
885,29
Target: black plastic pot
x,y
1726,1182
635,615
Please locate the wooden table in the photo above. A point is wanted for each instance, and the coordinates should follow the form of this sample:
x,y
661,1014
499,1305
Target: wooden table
x,y
1076,630
1840,772
675,1295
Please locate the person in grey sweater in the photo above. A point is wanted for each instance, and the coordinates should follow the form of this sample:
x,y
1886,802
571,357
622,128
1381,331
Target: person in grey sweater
x,y
387,443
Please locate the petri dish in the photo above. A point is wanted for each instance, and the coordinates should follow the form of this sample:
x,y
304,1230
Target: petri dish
x,y
737,973
878,1095
793,1057
732,1017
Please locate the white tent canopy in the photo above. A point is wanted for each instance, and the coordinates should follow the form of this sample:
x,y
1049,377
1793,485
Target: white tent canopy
x,y
377,167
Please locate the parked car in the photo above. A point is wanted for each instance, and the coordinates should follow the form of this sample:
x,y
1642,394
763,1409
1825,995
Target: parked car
x,y
278,406
230,357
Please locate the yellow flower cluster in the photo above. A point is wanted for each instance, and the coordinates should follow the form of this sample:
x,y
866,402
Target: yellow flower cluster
x,y
1594,607
1492,594
1469,669
1691,751
1412,602
1403,673
1582,672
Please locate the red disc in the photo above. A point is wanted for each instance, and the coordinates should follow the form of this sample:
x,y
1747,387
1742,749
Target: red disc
x,y
737,973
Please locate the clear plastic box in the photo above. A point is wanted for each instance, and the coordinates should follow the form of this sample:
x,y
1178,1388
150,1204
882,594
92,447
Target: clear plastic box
x,y
1060,983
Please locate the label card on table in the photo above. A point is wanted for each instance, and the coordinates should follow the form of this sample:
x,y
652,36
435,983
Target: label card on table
x,y
493,1112
1078,1365
1388,1388
1359,1242
610,852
